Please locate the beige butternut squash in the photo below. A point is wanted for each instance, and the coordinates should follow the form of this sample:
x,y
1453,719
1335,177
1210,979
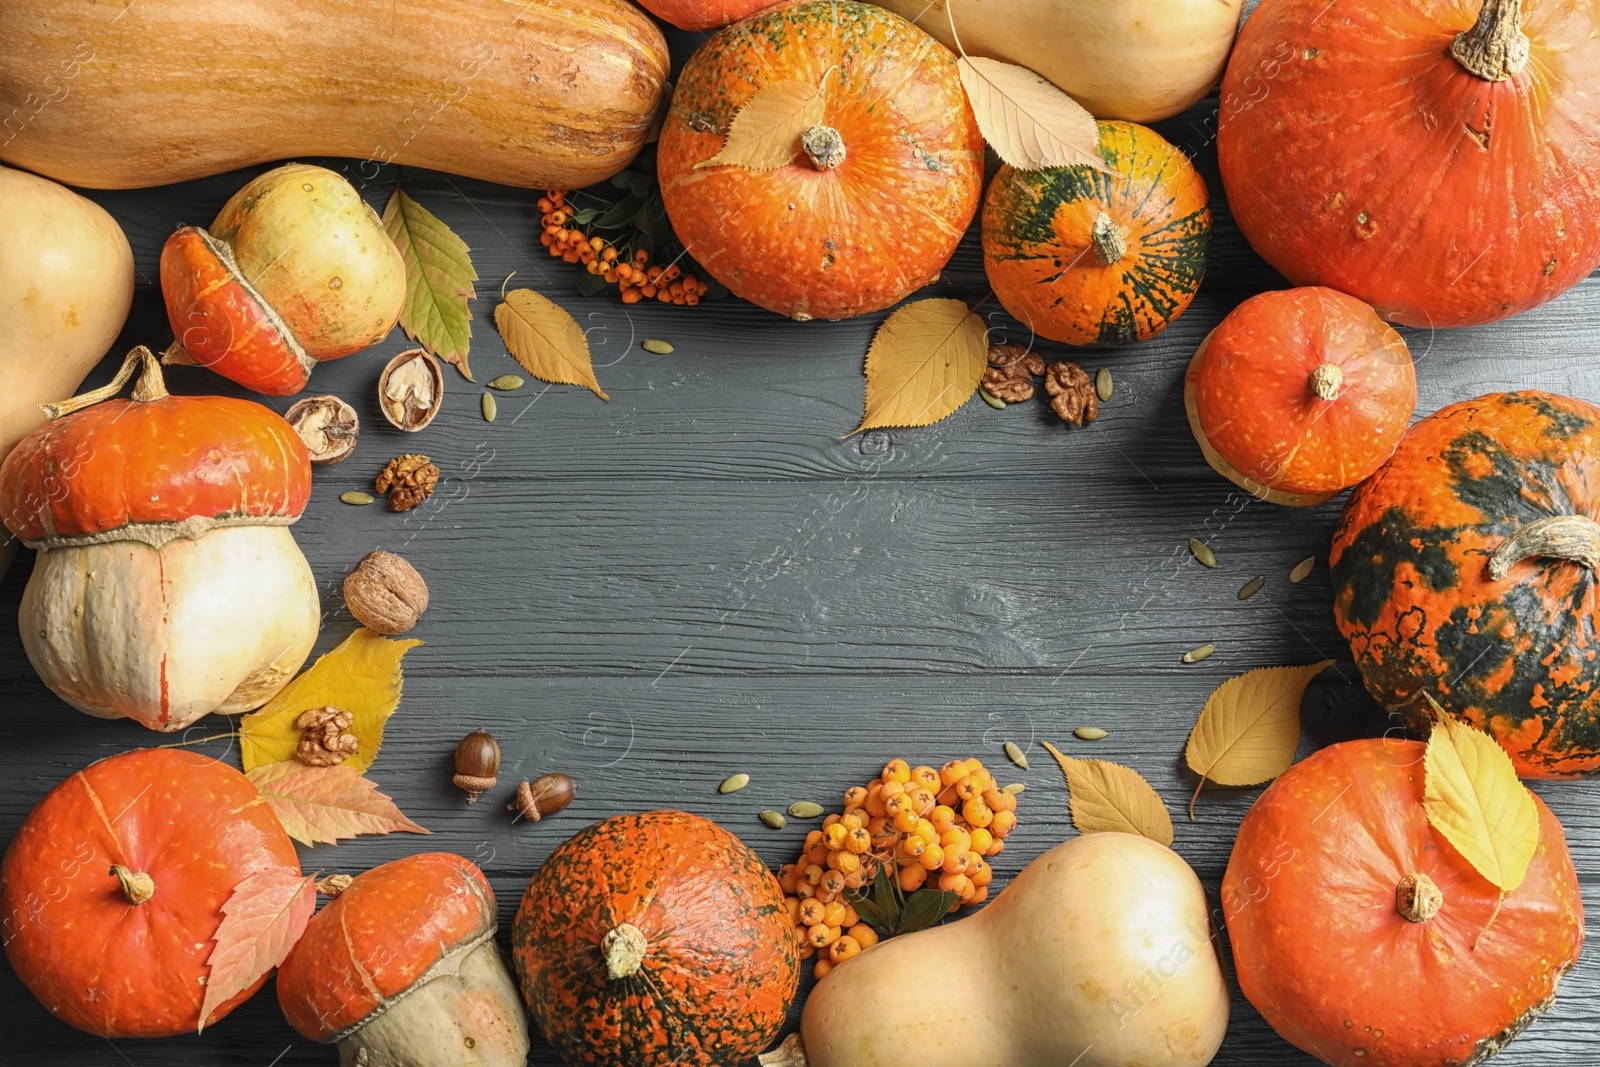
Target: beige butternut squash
x,y
121,96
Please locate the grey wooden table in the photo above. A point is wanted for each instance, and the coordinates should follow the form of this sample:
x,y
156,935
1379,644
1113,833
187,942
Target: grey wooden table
x,y
701,578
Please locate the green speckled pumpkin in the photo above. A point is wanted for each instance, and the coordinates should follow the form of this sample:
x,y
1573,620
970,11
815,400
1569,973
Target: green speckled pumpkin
x,y
656,940
1098,259
1465,569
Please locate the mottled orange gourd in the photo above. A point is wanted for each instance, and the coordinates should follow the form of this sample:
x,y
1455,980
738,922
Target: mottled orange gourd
x,y
1299,394
703,14
1364,937
1464,569
72,929
1439,159
653,940
810,239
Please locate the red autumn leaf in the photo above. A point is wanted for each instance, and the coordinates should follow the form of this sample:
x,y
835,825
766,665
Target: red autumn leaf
x,y
261,921
323,804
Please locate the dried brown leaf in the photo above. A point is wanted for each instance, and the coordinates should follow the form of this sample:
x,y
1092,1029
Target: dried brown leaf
x,y
1030,123
765,134
925,362
1250,727
546,341
320,805
262,919
1110,797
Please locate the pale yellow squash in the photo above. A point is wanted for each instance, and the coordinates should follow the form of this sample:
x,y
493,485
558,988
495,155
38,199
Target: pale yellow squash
x,y
1099,954
1139,60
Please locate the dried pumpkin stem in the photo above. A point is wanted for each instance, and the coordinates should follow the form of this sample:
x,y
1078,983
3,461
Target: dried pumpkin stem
x,y
149,387
624,948
823,146
1575,538
1495,49
1327,381
137,886
1417,898
1110,246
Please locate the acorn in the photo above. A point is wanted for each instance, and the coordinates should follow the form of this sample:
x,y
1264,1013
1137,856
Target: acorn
x,y
545,795
477,764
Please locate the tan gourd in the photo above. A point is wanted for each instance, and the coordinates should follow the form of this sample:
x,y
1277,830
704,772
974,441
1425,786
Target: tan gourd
x,y
1099,954
120,96
1139,60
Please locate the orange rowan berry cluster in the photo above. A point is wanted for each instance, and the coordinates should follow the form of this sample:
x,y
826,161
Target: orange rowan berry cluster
x,y
912,824
634,275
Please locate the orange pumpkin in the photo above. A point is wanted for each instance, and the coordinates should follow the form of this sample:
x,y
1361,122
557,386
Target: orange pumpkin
x,y
1087,258
1365,938
703,14
825,237
113,888
402,968
1299,394
1439,159
654,940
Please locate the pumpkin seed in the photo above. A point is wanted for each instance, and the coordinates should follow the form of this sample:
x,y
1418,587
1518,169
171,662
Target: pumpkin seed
x,y
1199,652
1103,385
507,382
1089,733
733,783
491,407
774,819
1252,587
993,401
805,809
660,348
1302,570
1015,754
356,496
1202,552
1014,788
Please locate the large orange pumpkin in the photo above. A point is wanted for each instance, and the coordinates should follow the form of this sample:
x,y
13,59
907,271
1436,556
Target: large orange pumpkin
x,y
823,237
1465,570
654,940
101,947
1366,939
1439,159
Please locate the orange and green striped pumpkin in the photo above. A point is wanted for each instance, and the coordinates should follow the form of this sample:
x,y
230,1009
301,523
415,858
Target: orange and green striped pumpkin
x,y
1464,570
653,940
1097,259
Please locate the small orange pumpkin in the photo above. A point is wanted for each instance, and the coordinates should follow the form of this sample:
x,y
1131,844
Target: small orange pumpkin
x,y
1299,394
820,237
1092,259
656,940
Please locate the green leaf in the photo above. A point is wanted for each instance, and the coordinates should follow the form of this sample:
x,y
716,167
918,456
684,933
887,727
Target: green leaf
x,y
924,908
591,284
645,220
439,277
619,213
870,913
641,185
625,179
586,216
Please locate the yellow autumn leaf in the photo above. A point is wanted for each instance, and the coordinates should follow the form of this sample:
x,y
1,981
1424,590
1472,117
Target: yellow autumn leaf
x,y
765,134
1029,122
362,676
926,360
1110,797
546,340
1250,727
1473,797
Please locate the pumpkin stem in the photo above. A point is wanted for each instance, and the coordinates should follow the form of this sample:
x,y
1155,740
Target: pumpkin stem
x,y
1569,537
824,146
149,387
1417,898
1495,49
1106,238
1327,381
624,948
137,886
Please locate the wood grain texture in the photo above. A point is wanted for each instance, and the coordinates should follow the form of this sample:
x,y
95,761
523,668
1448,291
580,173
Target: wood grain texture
x,y
701,578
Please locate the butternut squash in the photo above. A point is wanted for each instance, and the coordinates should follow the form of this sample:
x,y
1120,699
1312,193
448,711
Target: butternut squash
x,y
1099,954
549,93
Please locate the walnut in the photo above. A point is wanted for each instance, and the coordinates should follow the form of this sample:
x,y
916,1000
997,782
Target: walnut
x,y
385,593
324,741
1072,393
1010,373
409,480
328,426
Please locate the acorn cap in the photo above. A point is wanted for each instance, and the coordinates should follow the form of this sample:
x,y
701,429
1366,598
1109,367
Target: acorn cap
x,y
380,938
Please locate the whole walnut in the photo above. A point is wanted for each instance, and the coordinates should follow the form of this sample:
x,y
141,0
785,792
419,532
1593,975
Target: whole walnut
x,y
385,593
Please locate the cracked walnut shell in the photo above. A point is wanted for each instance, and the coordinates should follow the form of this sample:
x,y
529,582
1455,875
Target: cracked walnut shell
x,y
409,480
385,593
1072,393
